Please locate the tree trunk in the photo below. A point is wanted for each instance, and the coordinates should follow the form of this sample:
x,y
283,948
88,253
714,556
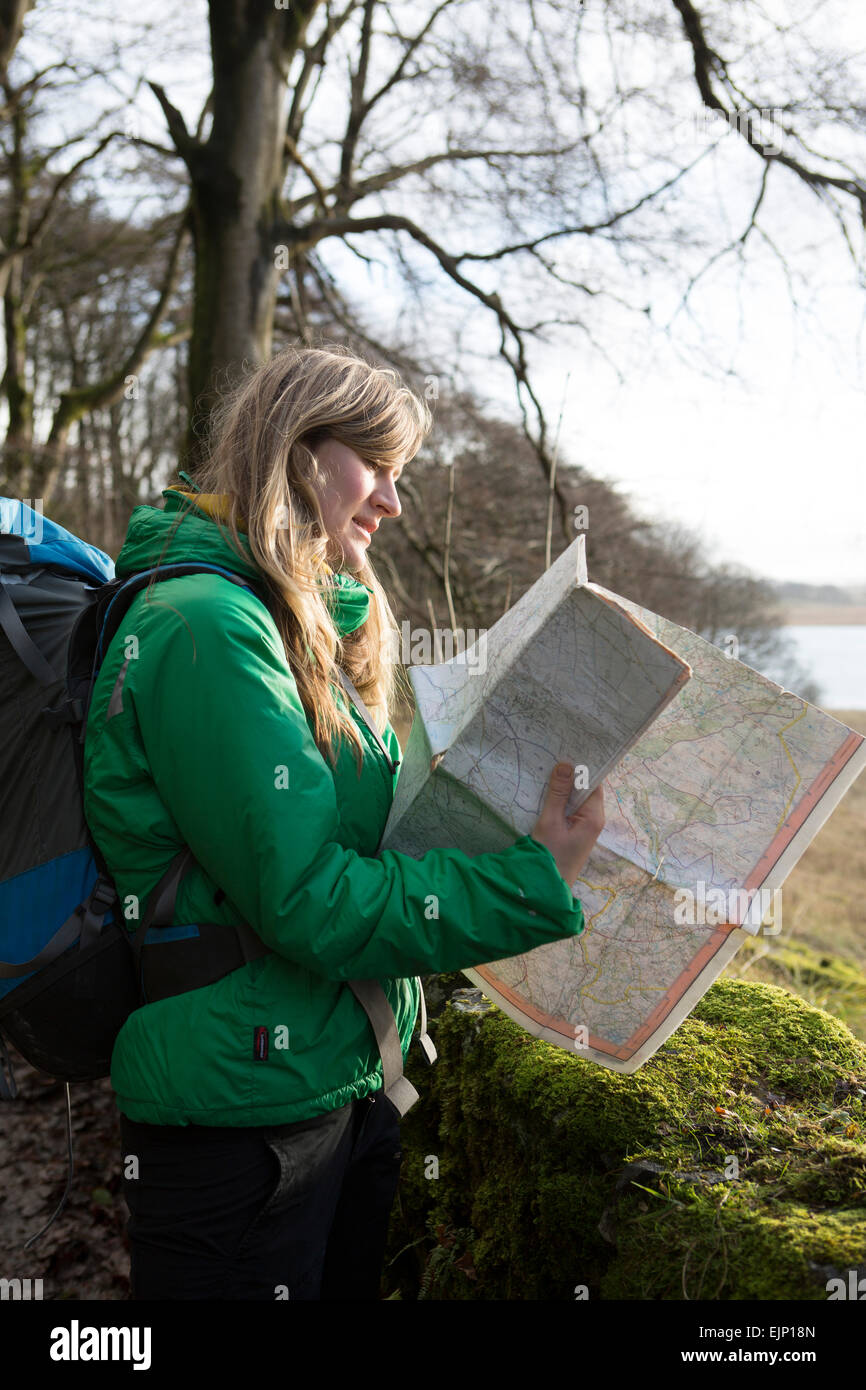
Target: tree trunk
x,y
18,451
237,178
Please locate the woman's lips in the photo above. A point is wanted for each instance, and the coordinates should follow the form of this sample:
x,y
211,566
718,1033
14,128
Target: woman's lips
x,y
362,529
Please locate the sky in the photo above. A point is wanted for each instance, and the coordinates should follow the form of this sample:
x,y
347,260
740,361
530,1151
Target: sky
x,y
757,445
769,469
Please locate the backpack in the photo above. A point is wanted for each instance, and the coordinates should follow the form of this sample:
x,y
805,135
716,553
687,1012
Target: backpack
x,y
70,972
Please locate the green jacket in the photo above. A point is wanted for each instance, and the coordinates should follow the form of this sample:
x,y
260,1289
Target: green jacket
x,y
212,749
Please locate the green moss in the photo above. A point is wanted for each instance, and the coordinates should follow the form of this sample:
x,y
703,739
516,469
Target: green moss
x,y
554,1172
739,1251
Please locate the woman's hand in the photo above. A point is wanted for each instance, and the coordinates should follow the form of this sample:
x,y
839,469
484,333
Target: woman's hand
x,y
569,838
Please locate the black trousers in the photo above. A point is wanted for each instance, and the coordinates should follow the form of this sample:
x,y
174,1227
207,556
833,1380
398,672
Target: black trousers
x,y
296,1211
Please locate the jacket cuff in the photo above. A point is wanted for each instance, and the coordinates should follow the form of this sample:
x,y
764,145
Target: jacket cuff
x,y
553,899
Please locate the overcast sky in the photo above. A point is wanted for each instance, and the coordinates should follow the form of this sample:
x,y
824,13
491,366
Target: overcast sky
x,y
761,451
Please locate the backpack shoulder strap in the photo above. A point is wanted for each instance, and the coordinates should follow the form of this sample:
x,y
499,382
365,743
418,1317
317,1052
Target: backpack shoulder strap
x,y
374,1001
367,717
21,641
124,591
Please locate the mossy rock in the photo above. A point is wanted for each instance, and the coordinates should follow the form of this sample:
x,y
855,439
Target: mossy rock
x,y
732,1165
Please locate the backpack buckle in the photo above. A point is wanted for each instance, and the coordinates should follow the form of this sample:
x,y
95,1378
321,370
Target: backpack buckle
x,y
103,895
69,711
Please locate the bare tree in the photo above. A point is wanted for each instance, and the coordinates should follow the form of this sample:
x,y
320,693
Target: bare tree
x,y
37,210
493,158
294,150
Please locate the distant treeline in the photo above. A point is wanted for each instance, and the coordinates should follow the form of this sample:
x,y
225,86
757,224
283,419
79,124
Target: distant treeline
x,y
819,593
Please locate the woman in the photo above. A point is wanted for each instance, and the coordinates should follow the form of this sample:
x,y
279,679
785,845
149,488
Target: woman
x,y
260,1157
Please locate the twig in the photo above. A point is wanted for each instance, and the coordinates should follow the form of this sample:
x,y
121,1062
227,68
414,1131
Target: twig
x,y
551,485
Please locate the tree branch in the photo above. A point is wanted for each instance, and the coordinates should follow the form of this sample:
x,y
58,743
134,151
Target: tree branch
x,y
376,182
312,233
188,147
707,64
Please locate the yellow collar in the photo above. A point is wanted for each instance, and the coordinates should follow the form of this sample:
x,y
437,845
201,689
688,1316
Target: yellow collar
x,y
215,504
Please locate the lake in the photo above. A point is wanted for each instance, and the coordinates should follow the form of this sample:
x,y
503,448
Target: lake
x,y
835,656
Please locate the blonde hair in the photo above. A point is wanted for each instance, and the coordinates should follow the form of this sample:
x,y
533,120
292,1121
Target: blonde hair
x,y
261,454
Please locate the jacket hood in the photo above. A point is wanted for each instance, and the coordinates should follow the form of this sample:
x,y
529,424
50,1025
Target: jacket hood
x,y
149,541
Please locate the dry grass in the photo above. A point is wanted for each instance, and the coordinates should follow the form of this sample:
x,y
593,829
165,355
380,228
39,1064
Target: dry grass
x,y
823,913
824,895
822,614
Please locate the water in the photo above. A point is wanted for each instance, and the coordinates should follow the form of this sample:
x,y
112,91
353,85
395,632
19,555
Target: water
x,y
835,656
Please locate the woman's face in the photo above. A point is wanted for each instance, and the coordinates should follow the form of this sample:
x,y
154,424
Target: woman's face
x,y
354,496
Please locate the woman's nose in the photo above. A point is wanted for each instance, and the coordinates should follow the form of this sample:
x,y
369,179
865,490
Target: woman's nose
x,y
385,495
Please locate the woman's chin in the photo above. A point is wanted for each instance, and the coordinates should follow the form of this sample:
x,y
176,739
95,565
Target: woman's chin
x,y
351,558
356,554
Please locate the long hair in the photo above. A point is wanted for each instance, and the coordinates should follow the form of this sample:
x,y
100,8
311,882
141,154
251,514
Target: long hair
x,y
260,455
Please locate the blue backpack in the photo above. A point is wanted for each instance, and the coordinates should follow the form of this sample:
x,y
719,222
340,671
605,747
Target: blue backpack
x,y
70,970
70,973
